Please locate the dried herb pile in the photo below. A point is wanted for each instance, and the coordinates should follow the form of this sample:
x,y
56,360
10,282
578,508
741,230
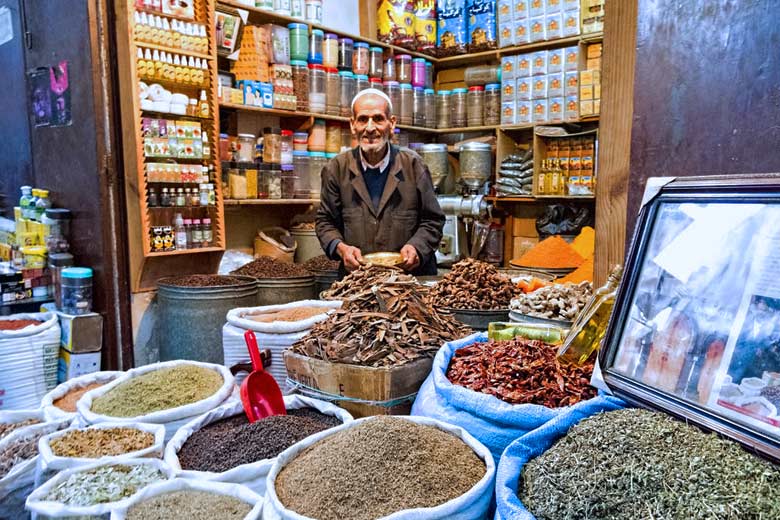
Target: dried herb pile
x,y
365,278
521,371
473,284
389,324
18,451
67,403
634,463
321,263
381,466
101,442
7,428
104,484
554,302
159,390
192,505
234,441
203,280
267,267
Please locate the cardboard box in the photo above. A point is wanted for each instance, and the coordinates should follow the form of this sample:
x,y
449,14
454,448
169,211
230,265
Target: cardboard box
x,y
596,91
539,87
586,92
537,29
507,91
523,65
78,333
504,11
586,77
571,82
362,383
553,26
555,61
572,110
596,77
522,32
524,227
523,112
555,85
508,64
593,63
586,108
568,5
555,107
594,50
523,89
508,113
553,6
596,106
540,111
536,8
522,9
571,59
506,34
539,63
571,23
74,365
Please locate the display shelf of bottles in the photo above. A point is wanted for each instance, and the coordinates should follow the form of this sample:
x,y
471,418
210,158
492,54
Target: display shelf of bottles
x,y
173,50
281,113
186,251
165,15
271,202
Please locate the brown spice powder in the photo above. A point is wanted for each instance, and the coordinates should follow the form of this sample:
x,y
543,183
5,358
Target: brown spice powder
x,y
67,403
296,314
95,443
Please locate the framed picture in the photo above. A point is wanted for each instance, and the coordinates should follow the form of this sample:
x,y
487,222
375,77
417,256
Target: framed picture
x,y
696,326
229,29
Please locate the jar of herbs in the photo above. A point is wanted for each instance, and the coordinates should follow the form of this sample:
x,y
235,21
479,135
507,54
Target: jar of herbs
x,y
459,114
347,93
333,137
388,68
418,106
443,109
272,145
403,68
332,91
346,49
492,104
375,62
475,105
300,77
406,105
430,108
289,180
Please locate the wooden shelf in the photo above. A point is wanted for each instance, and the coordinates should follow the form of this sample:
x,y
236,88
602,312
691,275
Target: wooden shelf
x,y
169,115
419,129
267,202
281,113
451,62
186,252
169,16
173,50
538,198
175,86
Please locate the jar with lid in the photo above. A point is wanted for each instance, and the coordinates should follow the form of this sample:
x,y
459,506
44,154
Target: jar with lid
x,y
246,148
300,141
360,58
482,75
430,108
300,80
346,137
443,109
274,181
301,173
405,114
289,179
361,82
418,72
418,106
393,91
297,9
475,105
262,181
459,115
313,12
317,162
346,50
76,290
287,146
403,68
282,7
58,222
315,46
428,74
58,262
272,145
388,68
236,183
332,91
376,83
317,136
492,104
476,163
436,158
347,93
316,88
299,41
333,137
330,51
375,62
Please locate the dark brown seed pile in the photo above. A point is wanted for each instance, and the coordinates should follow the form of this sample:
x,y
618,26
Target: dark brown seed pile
x,y
321,263
382,466
231,442
267,267
203,280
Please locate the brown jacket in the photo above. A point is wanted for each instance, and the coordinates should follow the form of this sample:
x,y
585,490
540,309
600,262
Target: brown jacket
x,y
408,211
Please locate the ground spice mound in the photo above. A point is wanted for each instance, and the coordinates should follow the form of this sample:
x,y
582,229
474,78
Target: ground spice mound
x,y
553,253
17,324
634,463
192,505
267,267
321,263
67,403
383,465
159,390
521,371
472,284
102,442
584,273
295,314
231,442
7,428
203,280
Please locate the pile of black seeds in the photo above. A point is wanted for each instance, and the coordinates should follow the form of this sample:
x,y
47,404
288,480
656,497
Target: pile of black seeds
x,y
203,280
384,465
267,267
772,394
321,263
231,442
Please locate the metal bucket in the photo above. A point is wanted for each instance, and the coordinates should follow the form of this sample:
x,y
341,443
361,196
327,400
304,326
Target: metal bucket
x,y
308,245
191,318
276,291
324,279
479,319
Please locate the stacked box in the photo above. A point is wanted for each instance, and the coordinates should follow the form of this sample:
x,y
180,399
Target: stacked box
x,y
252,63
590,82
592,16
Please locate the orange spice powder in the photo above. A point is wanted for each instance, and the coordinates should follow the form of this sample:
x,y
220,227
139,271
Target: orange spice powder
x,y
583,273
552,253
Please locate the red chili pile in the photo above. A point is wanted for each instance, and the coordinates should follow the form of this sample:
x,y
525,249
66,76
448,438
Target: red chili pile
x,y
17,324
521,371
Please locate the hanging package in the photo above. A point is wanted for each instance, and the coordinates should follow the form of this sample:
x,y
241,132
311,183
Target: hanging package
x,y
395,22
451,36
481,15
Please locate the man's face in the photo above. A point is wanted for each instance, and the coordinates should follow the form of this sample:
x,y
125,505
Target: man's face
x,y
371,125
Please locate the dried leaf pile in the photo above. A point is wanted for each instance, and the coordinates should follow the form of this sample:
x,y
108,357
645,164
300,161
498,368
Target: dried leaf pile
x,y
521,371
554,302
389,324
472,284
364,278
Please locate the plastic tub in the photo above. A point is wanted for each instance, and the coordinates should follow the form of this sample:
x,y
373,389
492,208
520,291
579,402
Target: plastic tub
x,y
76,290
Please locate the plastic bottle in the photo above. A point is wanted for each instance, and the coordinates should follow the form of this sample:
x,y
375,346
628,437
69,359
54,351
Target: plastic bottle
x,y
188,232
180,232
197,234
42,204
24,201
208,236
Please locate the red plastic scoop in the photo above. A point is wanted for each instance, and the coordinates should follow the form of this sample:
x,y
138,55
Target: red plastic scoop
x,y
260,393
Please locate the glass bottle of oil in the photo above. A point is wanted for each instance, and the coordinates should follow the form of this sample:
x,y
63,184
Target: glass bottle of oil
x,y
591,325
555,178
541,179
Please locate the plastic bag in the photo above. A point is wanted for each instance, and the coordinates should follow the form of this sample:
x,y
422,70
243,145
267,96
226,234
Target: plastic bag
x,y
473,504
481,15
232,260
451,37
29,358
251,475
172,418
181,484
533,444
51,412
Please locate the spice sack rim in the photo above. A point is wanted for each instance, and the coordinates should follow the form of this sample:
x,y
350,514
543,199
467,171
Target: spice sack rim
x,y
450,507
84,405
46,319
61,390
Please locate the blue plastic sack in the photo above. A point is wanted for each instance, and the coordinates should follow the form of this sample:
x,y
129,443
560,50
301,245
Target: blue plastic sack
x,y
492,421
533,444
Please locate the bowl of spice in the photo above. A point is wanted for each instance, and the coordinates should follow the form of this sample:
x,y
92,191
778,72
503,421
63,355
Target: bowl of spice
x,y
60,403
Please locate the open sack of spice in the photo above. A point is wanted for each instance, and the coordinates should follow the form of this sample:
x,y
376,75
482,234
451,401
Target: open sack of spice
x,y
223,446
81,446
60,403
500,390
95,489
649,464
193,500
169,393
400,467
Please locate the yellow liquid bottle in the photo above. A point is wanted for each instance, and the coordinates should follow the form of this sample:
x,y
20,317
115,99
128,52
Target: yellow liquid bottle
x,y
541,180
555,179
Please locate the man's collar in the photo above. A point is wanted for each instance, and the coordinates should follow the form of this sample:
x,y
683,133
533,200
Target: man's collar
x,y
382,165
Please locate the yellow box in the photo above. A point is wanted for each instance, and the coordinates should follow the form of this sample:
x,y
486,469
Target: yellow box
x,y
17,213
596,91
251,183
596,106
586,77
593,63
594,50
586,108
596,77
586,92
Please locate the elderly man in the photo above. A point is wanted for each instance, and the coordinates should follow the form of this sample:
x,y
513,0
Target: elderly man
x,y
378,197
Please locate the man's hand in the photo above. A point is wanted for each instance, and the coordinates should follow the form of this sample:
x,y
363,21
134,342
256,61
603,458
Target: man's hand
x,y
350,254
411,259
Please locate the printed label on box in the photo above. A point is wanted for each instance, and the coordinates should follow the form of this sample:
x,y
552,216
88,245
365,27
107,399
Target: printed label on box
x,y
523,66
553,6
555,85
568,5
508,91
506,34
521,10
524,114
537,29
504,11
586,92
539,87
555,61
522,32
571,59
508,67
555,109
586,108
539,63
572,82
553,26
524,87
540,111
571,23
508,113
536,8
586,77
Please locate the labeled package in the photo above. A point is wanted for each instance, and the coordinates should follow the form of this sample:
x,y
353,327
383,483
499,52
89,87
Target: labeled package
x,y
572,84
425,25
504,10
451,35
540,111
508,113
395,22
572,110
507,91
536,8
508,67
555,61
571,23
481,17
539,87
555,107
571,59
536,26
523,88
523,66
506,35
555,85
539,63
524,112
522,32
521,9
553,6
553,26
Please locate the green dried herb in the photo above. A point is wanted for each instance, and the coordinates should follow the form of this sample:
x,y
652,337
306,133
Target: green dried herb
x,y
634,463
104,484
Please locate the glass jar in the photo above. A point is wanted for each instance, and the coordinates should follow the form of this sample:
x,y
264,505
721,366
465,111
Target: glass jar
x,y
58,222
282,7
418,106
436,158
300,80
76,290
272,145
405,108
246,148
430,108
301,172
393,91
347,93
317,136
482,75
459,115
346,50
443,109
333,137
332,91
330,51
315,46
418,72
289,180
316,88
476,164
361,82
313,11
360,58
403,68
492,104
58,262
274,181
299,41
346,137
388,68
375,83
429,74
287,146
375,62
475,105
317,162
262,181
300,141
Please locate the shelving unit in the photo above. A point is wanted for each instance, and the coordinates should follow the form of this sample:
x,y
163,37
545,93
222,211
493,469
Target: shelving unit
x,y
268,202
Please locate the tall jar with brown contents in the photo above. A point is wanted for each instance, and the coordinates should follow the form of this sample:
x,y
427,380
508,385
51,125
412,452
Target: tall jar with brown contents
x,y
300,76
459,114
272,145
407,104
332,91
333,137
443,109
375,62
475,105
418,106
430,108
347,93
393,91
492,104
